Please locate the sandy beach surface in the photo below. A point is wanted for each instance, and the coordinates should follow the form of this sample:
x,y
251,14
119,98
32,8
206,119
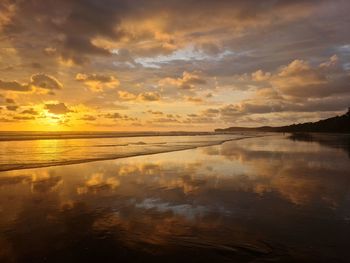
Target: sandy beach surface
x,y
263,199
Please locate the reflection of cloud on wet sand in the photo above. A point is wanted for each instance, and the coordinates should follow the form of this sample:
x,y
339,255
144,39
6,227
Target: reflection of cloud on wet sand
x,y
162,175
130,232
155,228
300,172
190,212
97,183
40,180
216,200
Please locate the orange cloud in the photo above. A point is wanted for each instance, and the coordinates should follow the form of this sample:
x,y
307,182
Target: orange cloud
x,y
186,82
98,82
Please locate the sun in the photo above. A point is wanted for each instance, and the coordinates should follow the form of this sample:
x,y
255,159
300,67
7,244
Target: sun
x,y
52,119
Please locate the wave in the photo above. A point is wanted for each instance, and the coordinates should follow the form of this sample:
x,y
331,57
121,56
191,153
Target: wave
x,y
68,154
27,136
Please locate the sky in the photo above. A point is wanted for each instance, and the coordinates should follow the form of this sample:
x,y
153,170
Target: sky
x,y
181,65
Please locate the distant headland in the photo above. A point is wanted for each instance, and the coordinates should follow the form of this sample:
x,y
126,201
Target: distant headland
x,y
337,124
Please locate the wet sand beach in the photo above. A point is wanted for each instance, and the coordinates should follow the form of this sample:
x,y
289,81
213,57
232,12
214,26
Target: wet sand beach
x,y
263,199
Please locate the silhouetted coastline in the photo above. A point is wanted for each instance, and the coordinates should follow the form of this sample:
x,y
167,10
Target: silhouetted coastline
x,y
337,124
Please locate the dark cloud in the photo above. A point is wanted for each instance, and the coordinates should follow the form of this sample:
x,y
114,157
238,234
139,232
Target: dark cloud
x,y
236,112
73,25
44,81
12,107
118,116
166,120
155,112
98,82
23,118
57,108
87,117
6,120
41,81
36,65
13,86
149,96
91,19
94,77
30,111
114,115
10,101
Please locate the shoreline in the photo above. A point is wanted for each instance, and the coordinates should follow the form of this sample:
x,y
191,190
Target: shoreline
x,y
7,168
32,136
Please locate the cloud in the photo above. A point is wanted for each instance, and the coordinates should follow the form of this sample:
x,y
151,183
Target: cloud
x,y
10,101
24,118
199,118
44,81
87,117
298,88
118,116
188,81
114,115
280,47
171,118
38,81
57,108
194,99
301,80
69,27
122,31
12,107
266,111
6,120
207,116
125,95
260,75
149,96
79,23
155,112
13,86
143,96
98,82
30,111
